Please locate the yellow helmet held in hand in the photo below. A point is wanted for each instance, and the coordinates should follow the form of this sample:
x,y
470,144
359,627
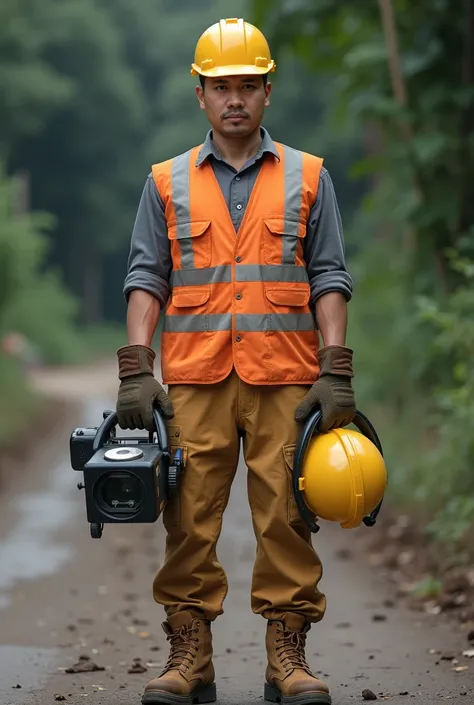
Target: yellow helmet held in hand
x,y
232,47
340,475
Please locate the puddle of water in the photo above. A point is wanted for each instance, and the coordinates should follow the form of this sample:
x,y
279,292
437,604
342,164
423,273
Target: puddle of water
x,y
24,666
31,550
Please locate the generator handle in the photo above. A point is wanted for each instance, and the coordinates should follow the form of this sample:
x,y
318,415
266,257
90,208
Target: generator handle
x,y
103,432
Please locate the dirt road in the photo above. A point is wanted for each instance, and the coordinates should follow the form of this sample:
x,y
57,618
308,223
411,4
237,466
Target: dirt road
x,y
64,595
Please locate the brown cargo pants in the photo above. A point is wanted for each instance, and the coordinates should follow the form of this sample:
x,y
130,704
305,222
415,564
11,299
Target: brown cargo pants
x,y
208,422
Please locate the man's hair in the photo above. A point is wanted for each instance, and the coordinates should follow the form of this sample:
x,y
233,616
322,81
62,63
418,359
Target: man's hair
x,y
202,79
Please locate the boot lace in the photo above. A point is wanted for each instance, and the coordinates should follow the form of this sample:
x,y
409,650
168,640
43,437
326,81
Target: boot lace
x,y
183,648
290,649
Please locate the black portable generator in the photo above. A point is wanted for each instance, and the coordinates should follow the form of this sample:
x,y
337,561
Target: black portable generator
x,y
126,479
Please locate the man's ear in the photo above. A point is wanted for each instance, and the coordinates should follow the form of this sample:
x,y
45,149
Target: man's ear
x,y
200,96
268,90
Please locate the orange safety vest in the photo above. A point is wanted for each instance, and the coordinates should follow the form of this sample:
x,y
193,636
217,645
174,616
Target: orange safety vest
x,y
239,299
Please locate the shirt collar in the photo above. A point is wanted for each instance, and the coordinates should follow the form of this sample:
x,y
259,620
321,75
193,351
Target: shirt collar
x,y
209,149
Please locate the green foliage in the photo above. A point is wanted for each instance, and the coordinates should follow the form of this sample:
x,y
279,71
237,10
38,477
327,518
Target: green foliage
x,y
428,587
32,302
96,138
411,322
19,404
449,466
31,89
346,44
453,523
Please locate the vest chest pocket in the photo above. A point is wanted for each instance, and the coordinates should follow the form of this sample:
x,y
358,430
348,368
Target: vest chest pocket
x,y
283,241
190,244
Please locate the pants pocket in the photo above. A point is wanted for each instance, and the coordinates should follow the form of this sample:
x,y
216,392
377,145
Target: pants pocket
x,y
294,516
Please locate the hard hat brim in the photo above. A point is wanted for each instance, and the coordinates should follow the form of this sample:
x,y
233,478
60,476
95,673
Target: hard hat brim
x,y
236,70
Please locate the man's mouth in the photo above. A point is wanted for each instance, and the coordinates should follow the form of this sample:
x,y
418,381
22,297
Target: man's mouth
x,y
235,116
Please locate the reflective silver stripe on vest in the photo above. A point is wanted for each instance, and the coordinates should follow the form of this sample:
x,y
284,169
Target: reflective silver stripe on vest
x,y
287,322
196,277
198,323
246,322
243,273
180,196
293,168
270,273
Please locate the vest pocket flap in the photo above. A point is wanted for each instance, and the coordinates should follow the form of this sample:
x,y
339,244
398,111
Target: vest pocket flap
x,y
283,226
288,297
190,296
194,228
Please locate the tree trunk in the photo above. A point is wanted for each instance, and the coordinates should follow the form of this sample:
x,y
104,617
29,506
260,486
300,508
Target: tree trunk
x,y
399,90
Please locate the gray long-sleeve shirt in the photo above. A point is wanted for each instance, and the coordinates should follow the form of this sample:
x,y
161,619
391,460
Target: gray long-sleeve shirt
x,y
149,263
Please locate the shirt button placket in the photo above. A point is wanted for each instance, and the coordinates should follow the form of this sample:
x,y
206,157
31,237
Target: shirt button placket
x,y
238,199
238,297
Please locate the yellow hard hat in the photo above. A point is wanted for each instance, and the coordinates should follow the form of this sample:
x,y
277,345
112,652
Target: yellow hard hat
x,y
340,475
232,47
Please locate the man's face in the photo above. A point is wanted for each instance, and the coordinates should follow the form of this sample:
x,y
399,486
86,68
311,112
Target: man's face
x,y
234,105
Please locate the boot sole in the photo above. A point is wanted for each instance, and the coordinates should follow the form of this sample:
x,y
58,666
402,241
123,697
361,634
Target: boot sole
x,y
203,694
273,695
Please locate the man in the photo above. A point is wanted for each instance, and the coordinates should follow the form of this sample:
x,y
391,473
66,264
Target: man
x,y
240,240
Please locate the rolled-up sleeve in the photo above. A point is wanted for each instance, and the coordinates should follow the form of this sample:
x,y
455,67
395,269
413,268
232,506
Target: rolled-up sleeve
x,y
324,249
149,260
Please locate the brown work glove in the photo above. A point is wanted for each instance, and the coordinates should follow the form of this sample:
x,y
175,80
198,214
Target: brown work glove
x,y
139,391
332,392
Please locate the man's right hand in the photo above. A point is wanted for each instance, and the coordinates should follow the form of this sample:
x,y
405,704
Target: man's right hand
x,y
139,391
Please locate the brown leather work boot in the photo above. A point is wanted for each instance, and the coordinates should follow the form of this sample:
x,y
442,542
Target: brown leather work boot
x,y
188,676
288,677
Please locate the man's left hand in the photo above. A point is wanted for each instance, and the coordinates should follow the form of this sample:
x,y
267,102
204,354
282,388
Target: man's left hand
x,y
332,392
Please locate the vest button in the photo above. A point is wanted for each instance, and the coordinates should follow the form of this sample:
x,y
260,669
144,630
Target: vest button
x,y
238,338
238,297
238,259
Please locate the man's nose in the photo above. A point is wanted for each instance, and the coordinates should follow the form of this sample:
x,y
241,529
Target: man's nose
x,y
235,100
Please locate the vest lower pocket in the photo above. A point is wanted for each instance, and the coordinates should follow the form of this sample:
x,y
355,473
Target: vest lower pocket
x,y
288,313
286,296
189,296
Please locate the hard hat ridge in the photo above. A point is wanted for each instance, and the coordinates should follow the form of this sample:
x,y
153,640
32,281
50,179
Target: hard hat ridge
x,y
232,47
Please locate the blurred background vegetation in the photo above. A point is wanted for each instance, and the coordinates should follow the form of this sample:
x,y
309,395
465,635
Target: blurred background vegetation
x,y
92,92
